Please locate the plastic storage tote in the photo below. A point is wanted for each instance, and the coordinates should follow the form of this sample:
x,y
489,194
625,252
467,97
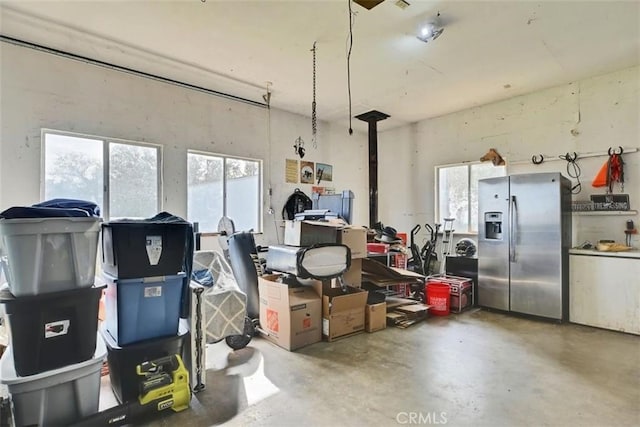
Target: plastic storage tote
x,y
49,254
55,398
143,249
123,361
52,330
143,309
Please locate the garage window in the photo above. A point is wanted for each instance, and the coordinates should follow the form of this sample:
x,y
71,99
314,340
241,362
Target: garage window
x,y
457,193
122,177
220,185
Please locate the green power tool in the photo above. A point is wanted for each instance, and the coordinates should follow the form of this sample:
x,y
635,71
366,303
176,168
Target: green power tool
x,y
164,386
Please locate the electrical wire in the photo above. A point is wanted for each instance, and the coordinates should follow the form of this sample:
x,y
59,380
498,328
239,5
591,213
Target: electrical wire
x,y
267,99
573,170
348,63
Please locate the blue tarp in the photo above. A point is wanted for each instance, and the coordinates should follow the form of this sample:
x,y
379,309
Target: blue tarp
x,y
55,208
203,277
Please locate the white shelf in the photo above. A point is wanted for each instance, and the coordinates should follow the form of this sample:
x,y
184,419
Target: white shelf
x,y
605,213
633,253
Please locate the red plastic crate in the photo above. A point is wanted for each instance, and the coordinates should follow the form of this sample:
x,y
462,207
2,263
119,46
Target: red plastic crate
x,y
377,248
461,290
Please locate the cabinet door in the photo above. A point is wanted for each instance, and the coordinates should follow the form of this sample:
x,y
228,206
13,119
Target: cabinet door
x,y
605,292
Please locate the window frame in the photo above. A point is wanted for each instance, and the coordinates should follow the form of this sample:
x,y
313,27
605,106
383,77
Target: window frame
x,y
436,210
224,158
105,210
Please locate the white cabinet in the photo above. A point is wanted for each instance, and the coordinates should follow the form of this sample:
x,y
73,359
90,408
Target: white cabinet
x,y
605,292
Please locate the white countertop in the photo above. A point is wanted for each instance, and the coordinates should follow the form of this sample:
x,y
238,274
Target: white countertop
x,y
633,253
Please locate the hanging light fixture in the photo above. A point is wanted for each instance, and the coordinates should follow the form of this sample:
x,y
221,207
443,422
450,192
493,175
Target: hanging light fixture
x,y
430,30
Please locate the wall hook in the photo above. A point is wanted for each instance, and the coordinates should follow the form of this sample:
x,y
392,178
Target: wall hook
x,y
536,161
568,157
613,151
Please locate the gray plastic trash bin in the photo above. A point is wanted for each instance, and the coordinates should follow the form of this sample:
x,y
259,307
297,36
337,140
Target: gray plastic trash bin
x,y
49,254
54,398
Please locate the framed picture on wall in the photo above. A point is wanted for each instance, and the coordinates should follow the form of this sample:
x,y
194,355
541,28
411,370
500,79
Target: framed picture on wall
x,y
306,172
324,172
291,171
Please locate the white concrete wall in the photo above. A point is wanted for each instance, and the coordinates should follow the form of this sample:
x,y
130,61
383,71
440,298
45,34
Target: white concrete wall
x,y
39,90
350,157
602,111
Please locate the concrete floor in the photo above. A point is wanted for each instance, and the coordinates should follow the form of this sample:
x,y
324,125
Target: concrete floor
x,y
478,369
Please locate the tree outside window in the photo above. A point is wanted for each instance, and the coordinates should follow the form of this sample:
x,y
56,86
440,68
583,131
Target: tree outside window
x,y
122,178
223,186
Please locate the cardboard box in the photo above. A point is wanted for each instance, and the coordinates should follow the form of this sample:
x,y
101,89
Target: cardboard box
x,y
356,239
380,275
375,317
307,233
403,315
353,276
290,315
342,313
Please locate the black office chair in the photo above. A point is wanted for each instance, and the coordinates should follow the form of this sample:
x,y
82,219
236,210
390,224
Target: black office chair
x,y
246,266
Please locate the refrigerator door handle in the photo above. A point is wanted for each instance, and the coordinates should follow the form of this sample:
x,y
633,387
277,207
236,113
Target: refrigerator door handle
x,y
513,225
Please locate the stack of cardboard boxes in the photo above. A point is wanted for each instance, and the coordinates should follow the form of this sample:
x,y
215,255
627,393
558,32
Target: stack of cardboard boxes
x,y
296,314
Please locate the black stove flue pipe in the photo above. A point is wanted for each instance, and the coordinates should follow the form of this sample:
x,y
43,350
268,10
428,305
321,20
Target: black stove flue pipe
x,y
373,117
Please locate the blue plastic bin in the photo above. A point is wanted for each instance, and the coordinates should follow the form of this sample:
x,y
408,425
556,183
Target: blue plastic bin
x,y
142,309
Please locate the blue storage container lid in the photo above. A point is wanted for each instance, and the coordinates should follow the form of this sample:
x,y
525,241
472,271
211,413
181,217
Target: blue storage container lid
x,y
55,208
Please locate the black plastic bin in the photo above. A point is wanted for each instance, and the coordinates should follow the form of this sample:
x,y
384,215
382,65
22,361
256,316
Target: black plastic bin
x,y
122,361
53,330
134,249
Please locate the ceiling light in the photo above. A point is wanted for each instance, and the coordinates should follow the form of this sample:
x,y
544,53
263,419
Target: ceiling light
x,y
426,31
431,30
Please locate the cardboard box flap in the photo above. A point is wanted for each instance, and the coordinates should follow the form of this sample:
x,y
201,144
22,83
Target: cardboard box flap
x,y
337,300
380,275
271,277
408,273
413,308
355,227
393,302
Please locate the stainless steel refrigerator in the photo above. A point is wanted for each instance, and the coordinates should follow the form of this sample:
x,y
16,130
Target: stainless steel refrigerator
x,y
523,244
